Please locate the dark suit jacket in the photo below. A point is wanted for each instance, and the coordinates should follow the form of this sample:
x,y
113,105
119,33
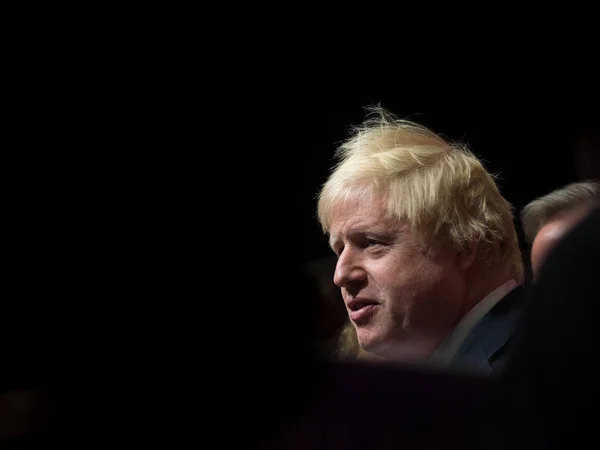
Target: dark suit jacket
x,y
487,347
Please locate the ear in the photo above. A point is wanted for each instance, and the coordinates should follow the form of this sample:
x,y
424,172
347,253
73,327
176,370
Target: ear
x,y
466,256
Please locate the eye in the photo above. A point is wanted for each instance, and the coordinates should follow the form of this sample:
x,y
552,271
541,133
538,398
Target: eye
x,y
372,242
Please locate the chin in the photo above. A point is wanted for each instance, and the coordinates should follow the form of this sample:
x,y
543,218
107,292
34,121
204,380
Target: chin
x,y
372,344
390,350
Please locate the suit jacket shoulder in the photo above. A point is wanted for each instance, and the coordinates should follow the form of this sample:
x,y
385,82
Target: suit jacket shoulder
x,y
487,347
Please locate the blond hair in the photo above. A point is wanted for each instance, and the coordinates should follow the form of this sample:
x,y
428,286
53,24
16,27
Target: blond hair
x,y
570,198
439,187
348,342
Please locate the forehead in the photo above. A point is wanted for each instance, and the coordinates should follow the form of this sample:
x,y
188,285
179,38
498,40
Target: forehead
x,y
361,214
548,236
558,226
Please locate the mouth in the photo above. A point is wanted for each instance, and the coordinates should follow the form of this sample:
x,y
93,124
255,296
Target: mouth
x,y
361,310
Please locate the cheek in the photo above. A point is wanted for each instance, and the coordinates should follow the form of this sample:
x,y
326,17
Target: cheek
x,y
412,275
435,282
426,272
414,281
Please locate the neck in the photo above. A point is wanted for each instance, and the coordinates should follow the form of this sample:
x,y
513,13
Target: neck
x,y
479,284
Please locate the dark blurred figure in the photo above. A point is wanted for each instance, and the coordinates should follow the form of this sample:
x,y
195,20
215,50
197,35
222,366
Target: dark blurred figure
x,y
547,219
551,384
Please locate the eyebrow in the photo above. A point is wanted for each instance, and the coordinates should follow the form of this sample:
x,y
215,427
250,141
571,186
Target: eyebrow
x,y
374,230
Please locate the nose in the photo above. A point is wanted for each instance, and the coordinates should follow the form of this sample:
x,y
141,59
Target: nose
x,y
349,273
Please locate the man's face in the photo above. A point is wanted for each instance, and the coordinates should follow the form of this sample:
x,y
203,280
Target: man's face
x,y
402,300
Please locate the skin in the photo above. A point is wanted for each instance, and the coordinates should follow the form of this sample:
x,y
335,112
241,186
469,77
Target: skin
x,y
551,233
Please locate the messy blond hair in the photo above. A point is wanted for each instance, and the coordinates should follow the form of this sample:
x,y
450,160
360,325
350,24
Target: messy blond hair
x,y
439,187
572,197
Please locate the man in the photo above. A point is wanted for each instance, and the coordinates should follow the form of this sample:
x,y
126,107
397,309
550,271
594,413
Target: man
x,y
550,391
428,256
547,219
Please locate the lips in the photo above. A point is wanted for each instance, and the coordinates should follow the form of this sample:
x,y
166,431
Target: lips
x,y
362,309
